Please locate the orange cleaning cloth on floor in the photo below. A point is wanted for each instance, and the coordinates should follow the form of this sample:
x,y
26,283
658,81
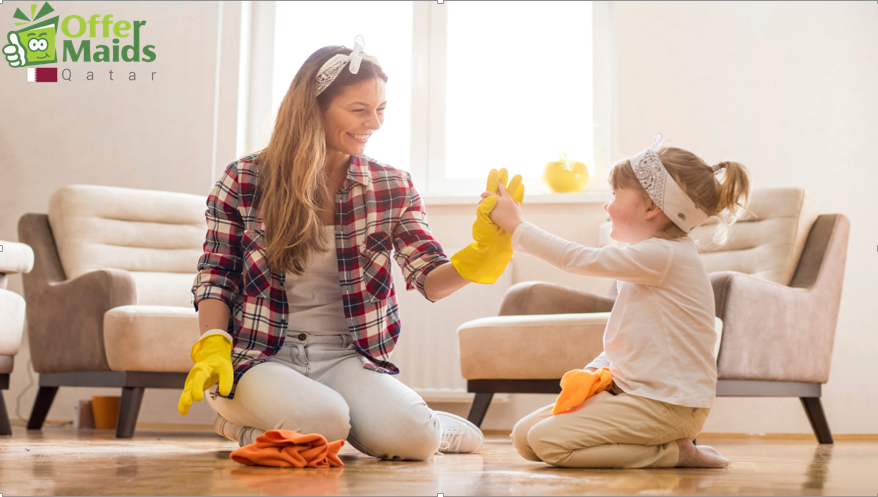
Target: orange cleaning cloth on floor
x,y
578,385
289,449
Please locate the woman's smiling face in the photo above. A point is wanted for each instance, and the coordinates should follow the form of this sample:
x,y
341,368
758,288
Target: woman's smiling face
x,y
353,116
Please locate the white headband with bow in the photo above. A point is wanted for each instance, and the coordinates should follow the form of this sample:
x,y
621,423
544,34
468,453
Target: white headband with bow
x,y
664,191
332,68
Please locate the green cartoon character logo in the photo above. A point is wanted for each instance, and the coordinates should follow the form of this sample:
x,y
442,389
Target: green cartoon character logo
x,y
32,45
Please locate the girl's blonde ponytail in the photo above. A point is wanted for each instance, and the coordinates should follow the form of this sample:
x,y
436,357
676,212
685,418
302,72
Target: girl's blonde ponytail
x,y
733,193
735,187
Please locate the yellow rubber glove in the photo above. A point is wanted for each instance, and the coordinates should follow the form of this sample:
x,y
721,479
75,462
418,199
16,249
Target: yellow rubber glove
x,y
578,385
484,260
213,362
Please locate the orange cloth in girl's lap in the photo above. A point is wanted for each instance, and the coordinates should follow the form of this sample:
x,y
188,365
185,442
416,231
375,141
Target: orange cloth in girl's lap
x,y
578,385
289,449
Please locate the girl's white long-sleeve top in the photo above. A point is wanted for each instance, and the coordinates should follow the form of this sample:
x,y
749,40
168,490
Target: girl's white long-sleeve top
x,y
660,337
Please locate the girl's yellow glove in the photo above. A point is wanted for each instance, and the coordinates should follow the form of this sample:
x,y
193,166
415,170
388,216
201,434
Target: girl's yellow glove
x,y
213,363
484,260
578,385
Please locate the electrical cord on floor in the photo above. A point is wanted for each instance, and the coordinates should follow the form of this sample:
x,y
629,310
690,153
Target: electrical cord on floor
x,y
30,380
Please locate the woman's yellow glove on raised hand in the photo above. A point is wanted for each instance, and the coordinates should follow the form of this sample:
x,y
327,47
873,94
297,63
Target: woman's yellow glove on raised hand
x,y
578,385
213,363
484,260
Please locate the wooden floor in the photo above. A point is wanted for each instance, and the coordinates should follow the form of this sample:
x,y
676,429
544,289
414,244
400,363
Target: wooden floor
x,y
162,461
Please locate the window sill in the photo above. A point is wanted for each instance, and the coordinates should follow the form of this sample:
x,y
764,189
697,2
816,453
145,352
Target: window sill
x,y
590,197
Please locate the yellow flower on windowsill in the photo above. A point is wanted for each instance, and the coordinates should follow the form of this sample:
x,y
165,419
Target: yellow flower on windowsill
x,y
565,175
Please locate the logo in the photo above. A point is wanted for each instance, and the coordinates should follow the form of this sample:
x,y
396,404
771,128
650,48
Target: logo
x,y
35,44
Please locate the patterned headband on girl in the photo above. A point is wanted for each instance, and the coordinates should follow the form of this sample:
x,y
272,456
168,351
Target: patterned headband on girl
x,y
332,68
664,191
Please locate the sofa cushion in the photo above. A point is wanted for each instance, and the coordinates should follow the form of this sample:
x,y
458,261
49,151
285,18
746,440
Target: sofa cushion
x,y
150,338
541,346
534,347
12,309
769,243
157,236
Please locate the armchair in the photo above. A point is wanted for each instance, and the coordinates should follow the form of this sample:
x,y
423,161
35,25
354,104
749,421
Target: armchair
x,y
109,301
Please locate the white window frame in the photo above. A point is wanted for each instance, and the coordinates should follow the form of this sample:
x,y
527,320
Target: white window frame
x,y
429,57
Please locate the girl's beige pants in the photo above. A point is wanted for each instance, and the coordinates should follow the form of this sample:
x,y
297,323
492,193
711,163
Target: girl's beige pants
x,y
613,429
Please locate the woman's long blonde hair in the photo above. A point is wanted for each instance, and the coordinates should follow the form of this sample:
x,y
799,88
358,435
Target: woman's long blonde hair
x,y
726,199
293,190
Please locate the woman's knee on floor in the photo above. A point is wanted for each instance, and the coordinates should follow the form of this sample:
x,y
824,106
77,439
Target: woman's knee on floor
x,y
417,448
413,436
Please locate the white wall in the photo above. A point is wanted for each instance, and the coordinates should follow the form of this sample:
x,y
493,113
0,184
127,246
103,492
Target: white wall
x,y
785,88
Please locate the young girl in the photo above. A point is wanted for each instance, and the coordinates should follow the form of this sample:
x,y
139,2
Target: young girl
x,y
659,339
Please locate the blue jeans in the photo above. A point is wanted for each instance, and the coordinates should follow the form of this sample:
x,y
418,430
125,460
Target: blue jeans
x,y
317,384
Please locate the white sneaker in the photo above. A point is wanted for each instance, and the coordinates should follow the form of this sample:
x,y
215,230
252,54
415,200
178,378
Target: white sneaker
x,y
458,434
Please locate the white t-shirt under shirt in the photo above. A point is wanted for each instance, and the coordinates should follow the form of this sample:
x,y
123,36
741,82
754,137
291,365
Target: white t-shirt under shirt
x,y
660,337
315,298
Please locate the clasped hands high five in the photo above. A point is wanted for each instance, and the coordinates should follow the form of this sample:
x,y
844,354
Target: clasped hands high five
x,y
497,216
483,261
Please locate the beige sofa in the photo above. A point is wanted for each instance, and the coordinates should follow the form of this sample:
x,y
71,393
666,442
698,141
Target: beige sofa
x,y
777,286
14,258
109,300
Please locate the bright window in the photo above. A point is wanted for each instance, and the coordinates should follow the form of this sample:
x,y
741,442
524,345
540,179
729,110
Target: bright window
x,y
519,86
303,27
472,84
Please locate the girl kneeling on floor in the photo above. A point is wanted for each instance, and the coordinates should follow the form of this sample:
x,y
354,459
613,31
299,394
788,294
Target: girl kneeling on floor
x,y
660,336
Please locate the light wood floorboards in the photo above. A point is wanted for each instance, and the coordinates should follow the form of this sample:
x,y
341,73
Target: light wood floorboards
x,y
169,461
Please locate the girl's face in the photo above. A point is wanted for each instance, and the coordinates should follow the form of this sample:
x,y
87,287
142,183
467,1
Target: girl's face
x,y
353,116
634,219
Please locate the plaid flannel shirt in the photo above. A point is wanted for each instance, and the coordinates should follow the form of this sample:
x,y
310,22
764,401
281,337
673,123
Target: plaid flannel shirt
x,y
378,211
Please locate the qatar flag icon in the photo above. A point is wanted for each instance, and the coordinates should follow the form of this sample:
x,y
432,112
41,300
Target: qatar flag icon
x,y
42,74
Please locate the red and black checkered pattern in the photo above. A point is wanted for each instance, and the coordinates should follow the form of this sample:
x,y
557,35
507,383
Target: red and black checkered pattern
x,y
378,214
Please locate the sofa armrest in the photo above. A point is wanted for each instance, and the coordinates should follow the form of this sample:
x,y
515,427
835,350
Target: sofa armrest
x,y
66,320
529,347
16,257
772,332
65,317
538,297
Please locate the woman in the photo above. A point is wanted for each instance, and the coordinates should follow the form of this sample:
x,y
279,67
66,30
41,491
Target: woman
x,y
313,327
